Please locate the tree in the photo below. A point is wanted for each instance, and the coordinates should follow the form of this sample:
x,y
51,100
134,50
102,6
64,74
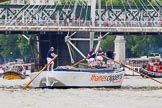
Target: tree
x,y
108,42
24,48
137,46
14,46
9,44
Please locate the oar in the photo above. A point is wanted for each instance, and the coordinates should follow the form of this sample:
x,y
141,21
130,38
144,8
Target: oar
x,y
132,69
73,65
39,72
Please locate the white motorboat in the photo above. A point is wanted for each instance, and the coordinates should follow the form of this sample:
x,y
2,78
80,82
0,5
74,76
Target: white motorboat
x,y
63,77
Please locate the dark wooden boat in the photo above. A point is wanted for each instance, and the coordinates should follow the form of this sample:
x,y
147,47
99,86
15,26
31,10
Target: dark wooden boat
x,y
151,74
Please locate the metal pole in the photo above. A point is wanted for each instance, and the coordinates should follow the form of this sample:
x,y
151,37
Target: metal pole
x,y
76,49
38,47
74,10
71,57
99,43
93,8
99,9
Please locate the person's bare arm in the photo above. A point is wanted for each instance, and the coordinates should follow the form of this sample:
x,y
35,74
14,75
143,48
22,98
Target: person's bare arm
x,y
53,55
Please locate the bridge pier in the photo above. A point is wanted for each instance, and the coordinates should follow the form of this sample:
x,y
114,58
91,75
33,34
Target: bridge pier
x,y
120,48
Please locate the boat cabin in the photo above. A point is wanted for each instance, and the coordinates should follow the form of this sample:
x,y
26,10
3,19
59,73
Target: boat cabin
x,y
154,65
19,67
154,55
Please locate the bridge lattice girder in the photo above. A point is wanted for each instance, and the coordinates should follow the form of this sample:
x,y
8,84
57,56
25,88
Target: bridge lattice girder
x,y
26,13
35,18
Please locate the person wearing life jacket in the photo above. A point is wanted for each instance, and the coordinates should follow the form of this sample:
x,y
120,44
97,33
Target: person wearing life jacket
x,y
150,67
153,66
156,66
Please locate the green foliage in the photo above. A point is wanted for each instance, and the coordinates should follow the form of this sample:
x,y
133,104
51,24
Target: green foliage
x,y
67,2
108,42
24,48
132,2
136,46
9,45
14,46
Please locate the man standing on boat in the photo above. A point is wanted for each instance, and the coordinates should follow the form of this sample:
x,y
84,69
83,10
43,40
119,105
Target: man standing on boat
x,y
50,55
91,56
99,58
110,54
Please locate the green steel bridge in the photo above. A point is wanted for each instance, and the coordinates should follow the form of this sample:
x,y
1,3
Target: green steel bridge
x,y
45,18
69,27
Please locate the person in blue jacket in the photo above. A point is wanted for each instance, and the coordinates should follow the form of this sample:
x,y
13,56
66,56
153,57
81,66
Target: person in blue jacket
x,y
110,54
50,55
91,57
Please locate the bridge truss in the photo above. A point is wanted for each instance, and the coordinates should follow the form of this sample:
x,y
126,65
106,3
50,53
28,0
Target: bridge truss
x,y
34,18
76,16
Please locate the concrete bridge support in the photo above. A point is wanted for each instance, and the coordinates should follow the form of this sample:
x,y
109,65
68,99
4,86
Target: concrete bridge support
x,y
120,49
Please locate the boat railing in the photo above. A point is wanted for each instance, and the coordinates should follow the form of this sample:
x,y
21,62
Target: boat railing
x,y
62,68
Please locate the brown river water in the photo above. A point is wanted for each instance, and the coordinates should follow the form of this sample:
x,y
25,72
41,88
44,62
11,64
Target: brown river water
x,y
136,92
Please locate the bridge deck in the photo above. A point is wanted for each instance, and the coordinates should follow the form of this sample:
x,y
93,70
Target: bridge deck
x,y
116,27
75,28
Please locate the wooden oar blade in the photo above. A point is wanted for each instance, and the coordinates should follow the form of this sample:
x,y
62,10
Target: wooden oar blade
x,y
73,65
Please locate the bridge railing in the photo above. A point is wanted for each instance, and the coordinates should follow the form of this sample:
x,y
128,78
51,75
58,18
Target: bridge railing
x,y
76,23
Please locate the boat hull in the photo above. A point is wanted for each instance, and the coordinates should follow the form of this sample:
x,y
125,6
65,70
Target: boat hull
x,y
151,74
73,79
11,75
